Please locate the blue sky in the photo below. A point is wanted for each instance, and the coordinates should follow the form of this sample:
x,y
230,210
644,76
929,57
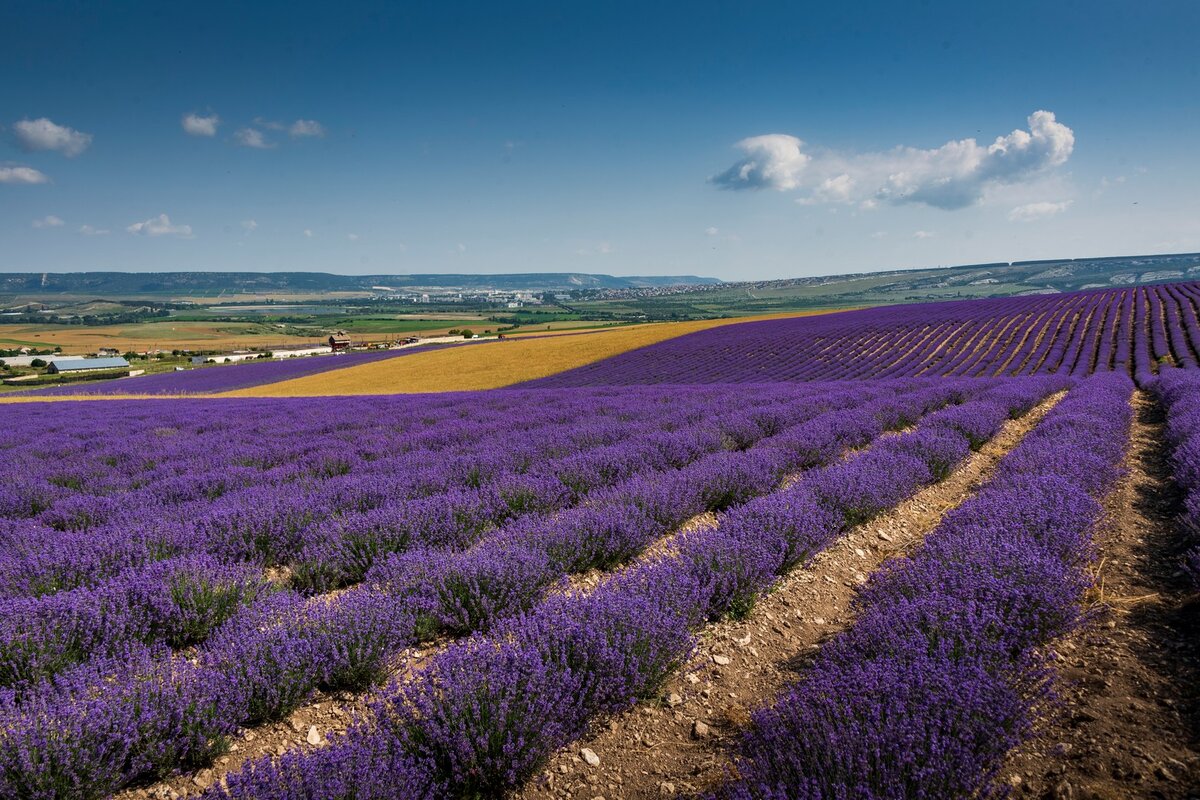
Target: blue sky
x,y
739,140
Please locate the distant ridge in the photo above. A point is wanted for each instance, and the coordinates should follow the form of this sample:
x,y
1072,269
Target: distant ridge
x,y
135,283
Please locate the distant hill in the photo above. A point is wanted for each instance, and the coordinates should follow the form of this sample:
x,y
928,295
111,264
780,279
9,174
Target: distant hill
x,y
126,284
890,287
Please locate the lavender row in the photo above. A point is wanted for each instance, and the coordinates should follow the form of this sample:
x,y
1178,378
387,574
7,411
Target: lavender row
x,y
241,509
944,671
458,593
263,663
1179,392
179,600
1132,330
489,710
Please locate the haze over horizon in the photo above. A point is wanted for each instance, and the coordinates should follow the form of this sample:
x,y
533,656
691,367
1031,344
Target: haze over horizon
x,y
714,139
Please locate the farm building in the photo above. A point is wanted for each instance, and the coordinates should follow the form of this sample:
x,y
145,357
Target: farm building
x,y
231,358
60,366
339,341
296,352
22,361
108,352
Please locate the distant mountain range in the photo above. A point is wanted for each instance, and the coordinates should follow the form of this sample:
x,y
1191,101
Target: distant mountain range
x,y
125,284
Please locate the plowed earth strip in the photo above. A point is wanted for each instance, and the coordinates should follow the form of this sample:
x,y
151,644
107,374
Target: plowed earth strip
x,y
657,749
1130,682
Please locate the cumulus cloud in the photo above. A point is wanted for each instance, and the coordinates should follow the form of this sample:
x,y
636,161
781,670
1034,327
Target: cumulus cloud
x,y
48,221
160,226
923,234
249,226
42,134
308,234
711,231
88,230
773,161
1031,212
22,175
199,125
306,127
249,137
952,176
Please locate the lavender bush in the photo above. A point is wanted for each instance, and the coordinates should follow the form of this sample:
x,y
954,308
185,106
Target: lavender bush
x,y
943,672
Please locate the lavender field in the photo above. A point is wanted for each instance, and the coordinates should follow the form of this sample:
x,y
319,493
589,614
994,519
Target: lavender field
x,y
1135,331
442,596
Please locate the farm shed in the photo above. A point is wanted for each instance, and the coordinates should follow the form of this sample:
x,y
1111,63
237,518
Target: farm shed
x,y
63,365
22,361
339,341
295,352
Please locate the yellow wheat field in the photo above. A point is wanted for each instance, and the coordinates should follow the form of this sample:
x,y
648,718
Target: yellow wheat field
x,y
485,366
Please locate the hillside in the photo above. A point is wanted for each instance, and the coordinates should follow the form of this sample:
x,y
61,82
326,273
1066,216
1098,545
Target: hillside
x,y
891,287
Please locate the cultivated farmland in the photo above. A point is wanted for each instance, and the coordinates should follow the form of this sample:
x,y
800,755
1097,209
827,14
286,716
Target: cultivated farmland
x,y
881,553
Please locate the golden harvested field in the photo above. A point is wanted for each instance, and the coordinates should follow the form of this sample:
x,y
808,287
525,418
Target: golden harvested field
x,y
489,365
165,335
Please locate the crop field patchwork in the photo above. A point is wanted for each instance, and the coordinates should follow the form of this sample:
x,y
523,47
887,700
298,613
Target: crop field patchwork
x,y
500,364
846,556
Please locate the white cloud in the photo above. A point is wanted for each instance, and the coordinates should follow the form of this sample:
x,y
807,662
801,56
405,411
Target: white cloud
x,y
249,137
952,176
48,221
22,175
773,161
301,128
249,226
1031,212
878,234
923,234
711,231
88,230
160,226
460,247
197,125
352,237
306,127
42,134
308,234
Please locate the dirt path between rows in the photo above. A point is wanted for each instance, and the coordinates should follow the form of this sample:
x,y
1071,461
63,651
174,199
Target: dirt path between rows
x,y
1130,681
680,745
329,715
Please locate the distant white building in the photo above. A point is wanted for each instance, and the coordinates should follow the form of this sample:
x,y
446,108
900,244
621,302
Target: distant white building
x,y
230,358
23,361
296,352
58,366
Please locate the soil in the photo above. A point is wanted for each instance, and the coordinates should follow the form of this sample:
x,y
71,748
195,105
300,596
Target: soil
x,y
680,744
329,714
332,714
1130,680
